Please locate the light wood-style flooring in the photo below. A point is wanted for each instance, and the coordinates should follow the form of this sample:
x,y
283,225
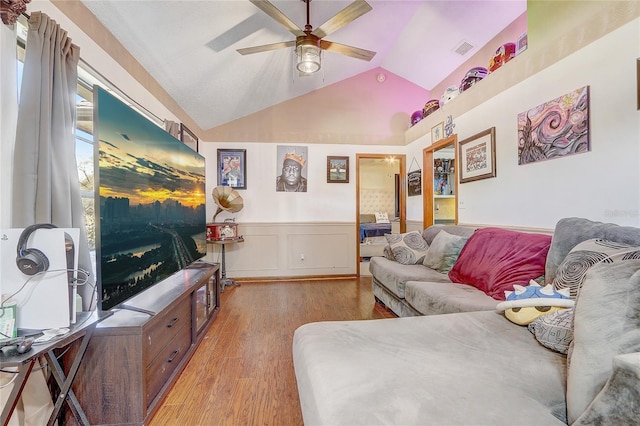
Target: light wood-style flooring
x,y
242,372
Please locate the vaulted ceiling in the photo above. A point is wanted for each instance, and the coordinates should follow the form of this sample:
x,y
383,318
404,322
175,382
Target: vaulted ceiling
x,y
189,47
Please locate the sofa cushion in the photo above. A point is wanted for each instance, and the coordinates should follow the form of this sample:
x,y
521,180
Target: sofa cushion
x,y
434,298
394,276
408,248
432,231
570,274
606,323
554,330
573,230
495,259
457,369
443,251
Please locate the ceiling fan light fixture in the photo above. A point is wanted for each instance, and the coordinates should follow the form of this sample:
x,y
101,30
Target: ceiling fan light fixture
x,y
308,53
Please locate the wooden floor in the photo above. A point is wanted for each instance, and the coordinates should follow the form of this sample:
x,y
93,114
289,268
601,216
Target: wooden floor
x,y
242,372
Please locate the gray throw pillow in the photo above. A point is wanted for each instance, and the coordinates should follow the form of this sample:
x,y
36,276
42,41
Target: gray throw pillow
x,y
554,330
409,248
606,323
572,270
443,251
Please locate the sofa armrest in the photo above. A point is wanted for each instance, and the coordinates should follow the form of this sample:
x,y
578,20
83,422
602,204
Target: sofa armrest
x,y
619,401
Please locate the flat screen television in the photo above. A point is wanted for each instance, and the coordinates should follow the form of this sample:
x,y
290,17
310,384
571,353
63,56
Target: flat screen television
x,y
150,201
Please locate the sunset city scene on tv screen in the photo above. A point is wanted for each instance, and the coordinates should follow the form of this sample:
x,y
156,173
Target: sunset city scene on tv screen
x,y
151,201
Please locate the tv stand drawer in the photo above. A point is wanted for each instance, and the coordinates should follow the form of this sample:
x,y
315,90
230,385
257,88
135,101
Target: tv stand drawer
x,y
166,362
163,327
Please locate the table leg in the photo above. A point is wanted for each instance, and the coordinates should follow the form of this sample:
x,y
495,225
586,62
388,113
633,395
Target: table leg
x,y
224,281
64,382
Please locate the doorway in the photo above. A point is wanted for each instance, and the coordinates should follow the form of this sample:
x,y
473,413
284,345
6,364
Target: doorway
x,y
440,182
380,188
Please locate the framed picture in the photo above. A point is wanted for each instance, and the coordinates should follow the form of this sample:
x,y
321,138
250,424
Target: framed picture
x,y
414,183
232,168
521,43
188,138
555,129
437,132
478,156
337,169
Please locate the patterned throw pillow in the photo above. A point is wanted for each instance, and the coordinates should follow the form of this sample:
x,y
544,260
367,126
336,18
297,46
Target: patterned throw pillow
x,y
409,248
584,255
554,330
382,218
443,251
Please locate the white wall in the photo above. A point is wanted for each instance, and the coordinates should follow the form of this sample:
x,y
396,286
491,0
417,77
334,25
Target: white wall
x,y
603,184
323,202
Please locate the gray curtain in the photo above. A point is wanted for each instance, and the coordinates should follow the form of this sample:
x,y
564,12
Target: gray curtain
x,y
45,175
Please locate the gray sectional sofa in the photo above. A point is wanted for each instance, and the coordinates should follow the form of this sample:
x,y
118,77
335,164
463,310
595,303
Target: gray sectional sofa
x,y
415,289
478,368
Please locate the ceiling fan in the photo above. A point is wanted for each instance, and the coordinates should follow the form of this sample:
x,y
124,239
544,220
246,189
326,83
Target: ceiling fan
x,y
310,42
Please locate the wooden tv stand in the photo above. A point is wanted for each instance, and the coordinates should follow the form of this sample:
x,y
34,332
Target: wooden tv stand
x,y
136,354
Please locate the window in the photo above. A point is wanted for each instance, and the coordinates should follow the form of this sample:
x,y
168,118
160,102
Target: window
x,y
87,78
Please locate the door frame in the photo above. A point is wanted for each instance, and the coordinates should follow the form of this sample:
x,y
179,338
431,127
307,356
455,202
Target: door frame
x,y
403,196
427,179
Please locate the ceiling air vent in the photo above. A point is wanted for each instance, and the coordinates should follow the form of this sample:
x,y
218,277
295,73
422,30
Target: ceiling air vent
x,y
462,48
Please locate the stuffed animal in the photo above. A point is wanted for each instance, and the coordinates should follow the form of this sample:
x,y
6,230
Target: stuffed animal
x,y
526,303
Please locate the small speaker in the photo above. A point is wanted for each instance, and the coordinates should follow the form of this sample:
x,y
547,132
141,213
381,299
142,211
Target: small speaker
x,y
31,261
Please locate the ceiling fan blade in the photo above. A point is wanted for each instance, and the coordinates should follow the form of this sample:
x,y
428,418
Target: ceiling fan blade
x,y
342,18
268,8
354,52
266,47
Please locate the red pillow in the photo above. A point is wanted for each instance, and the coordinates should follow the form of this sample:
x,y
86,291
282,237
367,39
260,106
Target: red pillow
x,y
495,259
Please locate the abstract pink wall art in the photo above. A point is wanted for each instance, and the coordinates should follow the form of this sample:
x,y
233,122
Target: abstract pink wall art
x,y
555,128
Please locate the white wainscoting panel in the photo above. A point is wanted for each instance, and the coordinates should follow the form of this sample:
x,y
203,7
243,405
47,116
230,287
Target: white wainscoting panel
x,y
276,249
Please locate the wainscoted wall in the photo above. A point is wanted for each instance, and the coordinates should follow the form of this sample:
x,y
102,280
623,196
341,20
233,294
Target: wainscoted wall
x,y
290,250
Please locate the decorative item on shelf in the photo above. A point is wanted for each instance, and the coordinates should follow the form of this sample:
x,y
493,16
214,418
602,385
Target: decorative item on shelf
x,y
430,107
448,127
478,156
473,76
10,10
416,117
449,94
414,180
437,132
229,200
503,54
521,43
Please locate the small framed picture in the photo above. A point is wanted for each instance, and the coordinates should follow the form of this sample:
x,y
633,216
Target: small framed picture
x,y
521,44
188,138
437,132
478,156
232,168
337,169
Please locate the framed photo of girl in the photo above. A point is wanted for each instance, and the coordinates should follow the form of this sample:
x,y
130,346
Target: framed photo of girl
x,y
337,169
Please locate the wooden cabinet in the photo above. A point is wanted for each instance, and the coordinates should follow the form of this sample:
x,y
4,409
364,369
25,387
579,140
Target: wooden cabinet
x,y
136,354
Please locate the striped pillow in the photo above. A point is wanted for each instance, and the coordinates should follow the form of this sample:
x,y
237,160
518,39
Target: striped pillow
x,y
583,256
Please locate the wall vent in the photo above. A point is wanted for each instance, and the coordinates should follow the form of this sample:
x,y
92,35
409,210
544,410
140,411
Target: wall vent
x,y
462,48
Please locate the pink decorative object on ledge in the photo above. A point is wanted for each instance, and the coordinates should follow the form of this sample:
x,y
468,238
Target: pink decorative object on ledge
x,y
10,10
